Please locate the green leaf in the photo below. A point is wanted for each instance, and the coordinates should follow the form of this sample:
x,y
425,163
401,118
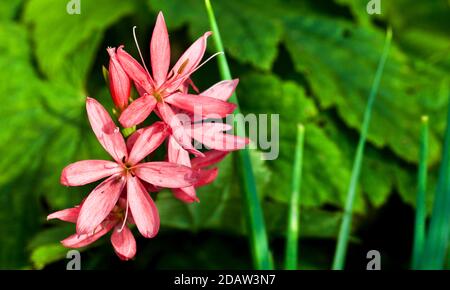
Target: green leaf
x,y
240,23
47,254
8,9
345,229
220,202
421,28
51,235
18,202
45,129
292,230
421,212
265,94
45,246
325,50
437,238
66,44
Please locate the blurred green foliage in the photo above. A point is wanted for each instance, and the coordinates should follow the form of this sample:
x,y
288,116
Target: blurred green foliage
x,y
309,61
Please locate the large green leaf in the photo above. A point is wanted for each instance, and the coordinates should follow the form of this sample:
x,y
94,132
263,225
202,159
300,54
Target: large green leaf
x,y
44,124
19,214
338,59
420,27
266,94
326,50
46,248
220,207
241,21
8,9
220,202
66,43
44,129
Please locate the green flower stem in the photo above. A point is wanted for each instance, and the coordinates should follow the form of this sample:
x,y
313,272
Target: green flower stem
x,y
291,254
251,201
419,228
344,231
437,240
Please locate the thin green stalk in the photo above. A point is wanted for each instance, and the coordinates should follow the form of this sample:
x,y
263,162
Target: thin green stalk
x,y
421,212
437,241
291,255
252,205
344,231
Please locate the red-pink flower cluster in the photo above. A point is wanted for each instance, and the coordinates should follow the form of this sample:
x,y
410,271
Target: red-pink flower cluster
x,y
123,199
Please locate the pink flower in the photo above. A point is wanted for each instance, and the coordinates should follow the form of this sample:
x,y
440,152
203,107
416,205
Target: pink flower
x,y
125,171
199,164
211,133
167,89
122,238
119,82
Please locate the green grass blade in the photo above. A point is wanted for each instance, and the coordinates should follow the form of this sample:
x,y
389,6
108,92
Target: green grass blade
x,y
436,245
252,205
421,212
344,231
291,255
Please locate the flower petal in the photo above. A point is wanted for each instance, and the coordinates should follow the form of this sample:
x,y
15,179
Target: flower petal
x,y
189,83
87,171
132,139
191,57
99,204
150,187
82,240
108,134
68,215
148,140
135,71
140,90
119,82
222,90
214,139
211,157
206,176
124,243
178,131
166,174
201,105
186,194
160,51
137,111
177,154
145,213
217,127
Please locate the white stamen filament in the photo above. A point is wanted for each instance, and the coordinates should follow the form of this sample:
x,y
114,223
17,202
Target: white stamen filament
x,y
185,75
125,218
139,50
209,58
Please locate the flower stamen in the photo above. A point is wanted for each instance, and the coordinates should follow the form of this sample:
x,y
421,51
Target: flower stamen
x,y
125,218
139,50
183,66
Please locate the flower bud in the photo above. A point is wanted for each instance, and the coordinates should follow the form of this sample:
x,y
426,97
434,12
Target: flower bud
x,y
119,82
